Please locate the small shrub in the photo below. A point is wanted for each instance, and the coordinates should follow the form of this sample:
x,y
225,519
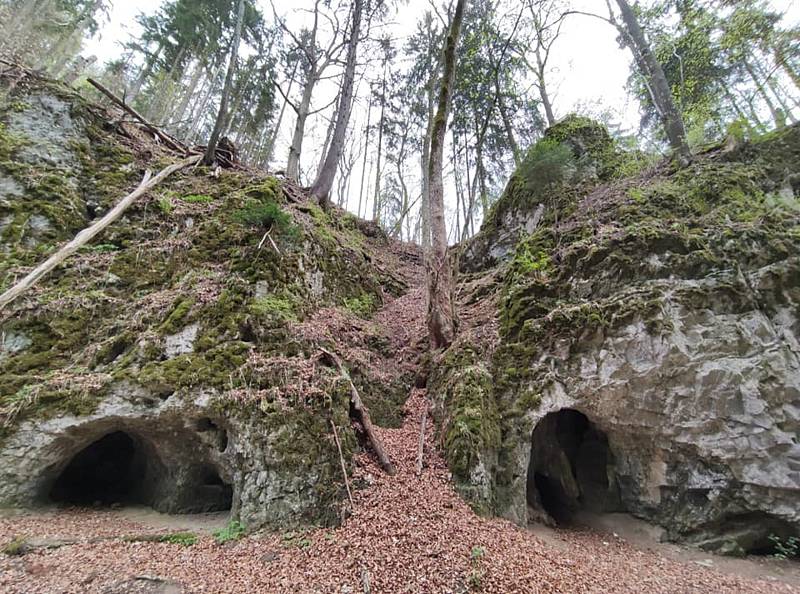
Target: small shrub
x,y
235,530
165,205
265,214
788,548
476,573
362,306
547,164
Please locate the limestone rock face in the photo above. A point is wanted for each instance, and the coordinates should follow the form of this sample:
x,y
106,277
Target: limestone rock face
x,y
167,363
649,336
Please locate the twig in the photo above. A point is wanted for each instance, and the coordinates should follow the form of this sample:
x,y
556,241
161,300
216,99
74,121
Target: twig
x,y
421,445
268,236
365,581
341,461
87,234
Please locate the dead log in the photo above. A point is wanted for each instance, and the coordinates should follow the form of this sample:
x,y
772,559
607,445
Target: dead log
x,y
363,414
164,137
87,234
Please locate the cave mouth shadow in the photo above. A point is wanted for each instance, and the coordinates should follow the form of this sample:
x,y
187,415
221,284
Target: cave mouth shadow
x,y
571,468
123,468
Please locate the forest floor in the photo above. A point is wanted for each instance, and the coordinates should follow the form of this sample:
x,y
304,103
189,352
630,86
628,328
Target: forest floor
x,y
407,533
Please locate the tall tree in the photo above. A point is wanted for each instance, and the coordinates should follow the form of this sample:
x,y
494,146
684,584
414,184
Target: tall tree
x,y
322,186
211,149
441,310
315,60
656,80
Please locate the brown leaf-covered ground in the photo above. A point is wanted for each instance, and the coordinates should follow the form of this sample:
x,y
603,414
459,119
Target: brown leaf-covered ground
x,y
408,533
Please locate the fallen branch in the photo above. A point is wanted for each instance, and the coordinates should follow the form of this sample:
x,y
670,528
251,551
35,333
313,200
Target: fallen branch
x,y
87,234
268,236
363,415
421,445
165,138
341,461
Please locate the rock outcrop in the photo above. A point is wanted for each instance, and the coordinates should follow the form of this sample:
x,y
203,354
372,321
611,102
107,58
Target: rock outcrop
x,y
173,353
647,357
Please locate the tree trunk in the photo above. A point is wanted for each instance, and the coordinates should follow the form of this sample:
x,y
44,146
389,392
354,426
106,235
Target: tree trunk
x,y
293,164
441,314
366,150
776,115
783,62
661,92
322,186
376,208
211,149
180,114
425,202
548,106
276,130
507,125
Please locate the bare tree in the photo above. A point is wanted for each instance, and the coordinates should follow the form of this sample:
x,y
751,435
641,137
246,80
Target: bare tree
x,y
315,61
211,149
322,186
441,313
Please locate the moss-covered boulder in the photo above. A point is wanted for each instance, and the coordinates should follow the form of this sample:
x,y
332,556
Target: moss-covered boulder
x,y
183,327
648,327
573,156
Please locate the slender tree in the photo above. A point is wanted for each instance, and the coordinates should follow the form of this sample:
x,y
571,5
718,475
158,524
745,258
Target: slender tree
x,y
441,312
211,149
657,82
322,186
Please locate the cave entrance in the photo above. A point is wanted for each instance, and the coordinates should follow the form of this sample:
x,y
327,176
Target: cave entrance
x,y
571,467
109,470
124,468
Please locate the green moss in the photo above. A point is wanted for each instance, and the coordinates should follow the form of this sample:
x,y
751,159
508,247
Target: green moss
x,y
177,317
17,547
280,307
214,368
471,425
185,539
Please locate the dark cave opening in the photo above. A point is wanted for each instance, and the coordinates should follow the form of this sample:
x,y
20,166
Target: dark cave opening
x,y
107,471
124,468
571,467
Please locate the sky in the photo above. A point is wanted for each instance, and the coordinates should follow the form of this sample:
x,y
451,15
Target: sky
x,y
589,67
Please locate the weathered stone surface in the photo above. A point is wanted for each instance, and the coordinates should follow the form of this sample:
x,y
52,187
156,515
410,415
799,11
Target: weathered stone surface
x,y
48,127
666,309
174,329
181,342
